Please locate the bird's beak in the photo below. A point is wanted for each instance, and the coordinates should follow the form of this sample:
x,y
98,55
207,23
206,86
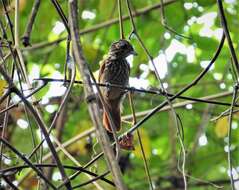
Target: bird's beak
x,y
133,52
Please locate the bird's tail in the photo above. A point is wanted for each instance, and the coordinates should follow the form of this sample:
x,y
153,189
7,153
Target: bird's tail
x,y
114,110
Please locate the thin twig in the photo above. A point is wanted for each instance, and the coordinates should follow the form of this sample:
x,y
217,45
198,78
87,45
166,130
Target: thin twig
x,y
90,97
26,112
162,105
105,24
230,136
165,25
5,121
40,123
15,169
92,180
65,145
17,43
30,22
3,59
14,187
178,105
75,162
141,90
193,83
9,22
140,142
26,97
134,31
227,34
59,129
121,25
61,14
28,162
223,114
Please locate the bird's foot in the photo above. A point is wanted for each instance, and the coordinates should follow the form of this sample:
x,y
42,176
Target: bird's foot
x,y
126,142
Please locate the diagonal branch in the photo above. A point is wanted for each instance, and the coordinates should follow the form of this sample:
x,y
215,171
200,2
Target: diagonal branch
x,y
14,187
180,104
193,83
162,105
28,162
102,25
64,145
40,123
230,137
14,169
227,34
30,22
146,166
91,97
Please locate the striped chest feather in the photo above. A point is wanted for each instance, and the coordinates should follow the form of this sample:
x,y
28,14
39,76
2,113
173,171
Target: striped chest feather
x,y
117,72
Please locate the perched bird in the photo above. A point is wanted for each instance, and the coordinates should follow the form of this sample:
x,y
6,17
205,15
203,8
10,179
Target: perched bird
x,y
115,70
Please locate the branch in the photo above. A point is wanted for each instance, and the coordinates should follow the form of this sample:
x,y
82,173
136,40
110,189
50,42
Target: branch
x,y
76,168
64,145
9,22
92,180
90,97
193,83
28,162
75,162
165,24
40,123
105,24
141,90
14,187
179,105
146,166
59,127
121,25
158,108
26,97
230,137
61,14
226,32
30,22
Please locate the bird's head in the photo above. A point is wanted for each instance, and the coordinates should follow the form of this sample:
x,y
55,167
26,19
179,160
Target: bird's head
x,y
121,49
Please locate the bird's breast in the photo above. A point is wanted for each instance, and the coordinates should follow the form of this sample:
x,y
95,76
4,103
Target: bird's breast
x,y
117,72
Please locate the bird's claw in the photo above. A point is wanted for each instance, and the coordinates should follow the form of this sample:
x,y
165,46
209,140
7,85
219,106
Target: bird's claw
x,y
126,142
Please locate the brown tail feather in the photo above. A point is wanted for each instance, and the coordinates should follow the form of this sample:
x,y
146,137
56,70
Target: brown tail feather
x,y
115,114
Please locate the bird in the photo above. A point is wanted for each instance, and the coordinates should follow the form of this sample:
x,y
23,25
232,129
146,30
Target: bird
x,y
116,70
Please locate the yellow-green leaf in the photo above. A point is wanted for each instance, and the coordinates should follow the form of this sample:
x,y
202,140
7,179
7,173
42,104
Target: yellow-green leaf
x,y
3,84
79,147
146,144
221,128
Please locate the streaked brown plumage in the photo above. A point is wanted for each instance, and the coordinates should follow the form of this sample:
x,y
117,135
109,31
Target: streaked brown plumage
x,y
115,70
